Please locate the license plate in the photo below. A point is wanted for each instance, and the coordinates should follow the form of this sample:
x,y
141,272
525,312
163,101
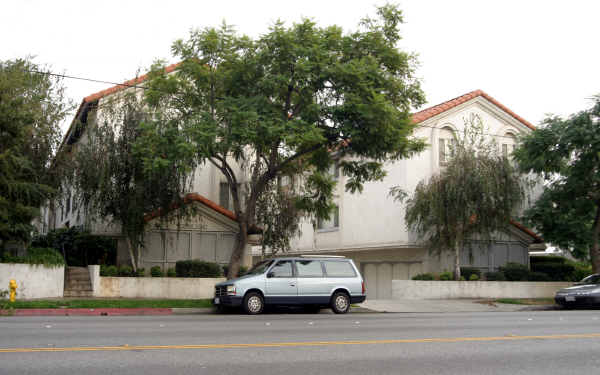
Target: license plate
x,y
570,298
217,300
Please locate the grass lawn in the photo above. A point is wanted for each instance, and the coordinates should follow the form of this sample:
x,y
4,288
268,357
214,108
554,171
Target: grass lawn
x,y
526,301
110,303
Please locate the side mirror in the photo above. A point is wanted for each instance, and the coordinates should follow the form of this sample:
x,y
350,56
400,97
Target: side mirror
x,y
270,274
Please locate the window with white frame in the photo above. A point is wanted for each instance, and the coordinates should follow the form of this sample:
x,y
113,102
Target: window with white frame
x,y
509,142
224,195
331,223
446,144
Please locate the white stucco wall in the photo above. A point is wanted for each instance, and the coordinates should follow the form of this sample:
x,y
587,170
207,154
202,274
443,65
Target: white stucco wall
x,y
156,287
373,218
417,289
33,281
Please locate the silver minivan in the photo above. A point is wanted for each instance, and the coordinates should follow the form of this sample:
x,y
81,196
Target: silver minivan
x,y
312,281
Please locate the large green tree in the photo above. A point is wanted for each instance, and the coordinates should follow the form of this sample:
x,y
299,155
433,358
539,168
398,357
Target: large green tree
x,y
296,97
32,107
116,180
473,197
566,152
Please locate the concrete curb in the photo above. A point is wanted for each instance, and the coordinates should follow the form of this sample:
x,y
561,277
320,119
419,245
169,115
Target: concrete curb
x,y
134,311
91,312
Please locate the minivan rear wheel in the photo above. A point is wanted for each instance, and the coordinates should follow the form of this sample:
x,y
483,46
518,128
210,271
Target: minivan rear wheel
x,y
254,303
340,303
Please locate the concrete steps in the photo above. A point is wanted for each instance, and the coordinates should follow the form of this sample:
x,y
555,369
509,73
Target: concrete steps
x,y
77,282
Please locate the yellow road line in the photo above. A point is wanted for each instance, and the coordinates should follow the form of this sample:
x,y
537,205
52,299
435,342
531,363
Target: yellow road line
x,y
298,344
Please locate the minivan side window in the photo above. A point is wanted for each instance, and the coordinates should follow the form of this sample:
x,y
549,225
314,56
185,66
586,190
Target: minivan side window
x,y
338,269
283,268
309,268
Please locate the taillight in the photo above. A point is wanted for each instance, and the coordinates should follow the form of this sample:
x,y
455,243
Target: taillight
x,y
364,290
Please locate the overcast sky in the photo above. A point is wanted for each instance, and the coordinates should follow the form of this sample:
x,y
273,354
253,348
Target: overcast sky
x,y
535,57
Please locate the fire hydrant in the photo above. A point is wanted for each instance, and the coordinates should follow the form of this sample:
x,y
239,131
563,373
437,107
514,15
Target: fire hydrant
x,y
12,285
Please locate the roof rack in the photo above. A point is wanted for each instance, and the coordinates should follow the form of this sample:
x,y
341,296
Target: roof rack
x,y
321,256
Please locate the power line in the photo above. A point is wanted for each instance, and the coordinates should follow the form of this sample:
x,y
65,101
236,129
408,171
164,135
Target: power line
x,y
87,79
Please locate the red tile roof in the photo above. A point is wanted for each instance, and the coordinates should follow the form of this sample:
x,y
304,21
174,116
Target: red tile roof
x,y
195,197
528,231
443,107
124,85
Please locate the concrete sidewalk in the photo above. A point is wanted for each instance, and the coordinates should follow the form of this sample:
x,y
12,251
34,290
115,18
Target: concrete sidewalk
x,y
445,306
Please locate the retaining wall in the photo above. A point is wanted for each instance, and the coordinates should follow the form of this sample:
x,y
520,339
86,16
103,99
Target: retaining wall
x,y
33,281
152,287
417,289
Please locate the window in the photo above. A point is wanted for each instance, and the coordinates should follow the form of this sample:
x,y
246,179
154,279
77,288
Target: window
x,y
446,143
283,268
509,142
68,205
332,222
309,268
338,268
224,195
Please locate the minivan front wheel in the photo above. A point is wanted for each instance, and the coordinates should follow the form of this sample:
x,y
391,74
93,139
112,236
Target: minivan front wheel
x,y
254,303
340,303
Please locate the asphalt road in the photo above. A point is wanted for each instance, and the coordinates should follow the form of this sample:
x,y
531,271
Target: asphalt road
x,y
541,342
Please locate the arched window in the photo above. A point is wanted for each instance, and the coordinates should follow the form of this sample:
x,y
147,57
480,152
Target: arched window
x,y
509,142
446,143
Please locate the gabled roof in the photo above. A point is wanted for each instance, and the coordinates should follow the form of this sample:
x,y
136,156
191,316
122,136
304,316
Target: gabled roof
x,y
529,232
195,197
443,107
124,85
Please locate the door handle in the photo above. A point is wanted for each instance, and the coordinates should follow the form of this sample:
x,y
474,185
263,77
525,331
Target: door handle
x,y
292,284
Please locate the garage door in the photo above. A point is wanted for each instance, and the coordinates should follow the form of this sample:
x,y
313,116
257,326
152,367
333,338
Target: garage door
x,y
379,275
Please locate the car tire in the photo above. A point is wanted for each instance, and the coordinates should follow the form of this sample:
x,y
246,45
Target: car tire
x,y
340,303
254,303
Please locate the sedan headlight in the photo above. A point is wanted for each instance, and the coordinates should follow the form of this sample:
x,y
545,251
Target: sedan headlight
x,y
231,290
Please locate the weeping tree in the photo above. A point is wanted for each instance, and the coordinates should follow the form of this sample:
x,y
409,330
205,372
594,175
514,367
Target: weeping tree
x,y
474,195
278,216
32,107
129,164
253,108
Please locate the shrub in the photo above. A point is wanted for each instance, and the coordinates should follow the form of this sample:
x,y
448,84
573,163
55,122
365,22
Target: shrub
x,y
446,276
141,272
582,270
515,272
197,268
556,271
474,277
171,272
495,276
125,271
79,246
109,270
467,272
538,276
546,259
424,276
156,271
38,255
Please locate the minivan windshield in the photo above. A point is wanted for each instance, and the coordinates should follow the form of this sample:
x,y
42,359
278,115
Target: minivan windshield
x,y
260,268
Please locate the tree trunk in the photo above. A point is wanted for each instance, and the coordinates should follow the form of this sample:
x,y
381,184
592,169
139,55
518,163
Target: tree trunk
x,y
131,254
595,250
457,246
238,252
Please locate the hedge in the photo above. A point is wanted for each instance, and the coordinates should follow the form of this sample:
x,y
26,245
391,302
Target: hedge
x,y
37,255
197,268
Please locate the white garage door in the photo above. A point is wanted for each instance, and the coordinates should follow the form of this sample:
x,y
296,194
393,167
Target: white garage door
x,y
379,275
